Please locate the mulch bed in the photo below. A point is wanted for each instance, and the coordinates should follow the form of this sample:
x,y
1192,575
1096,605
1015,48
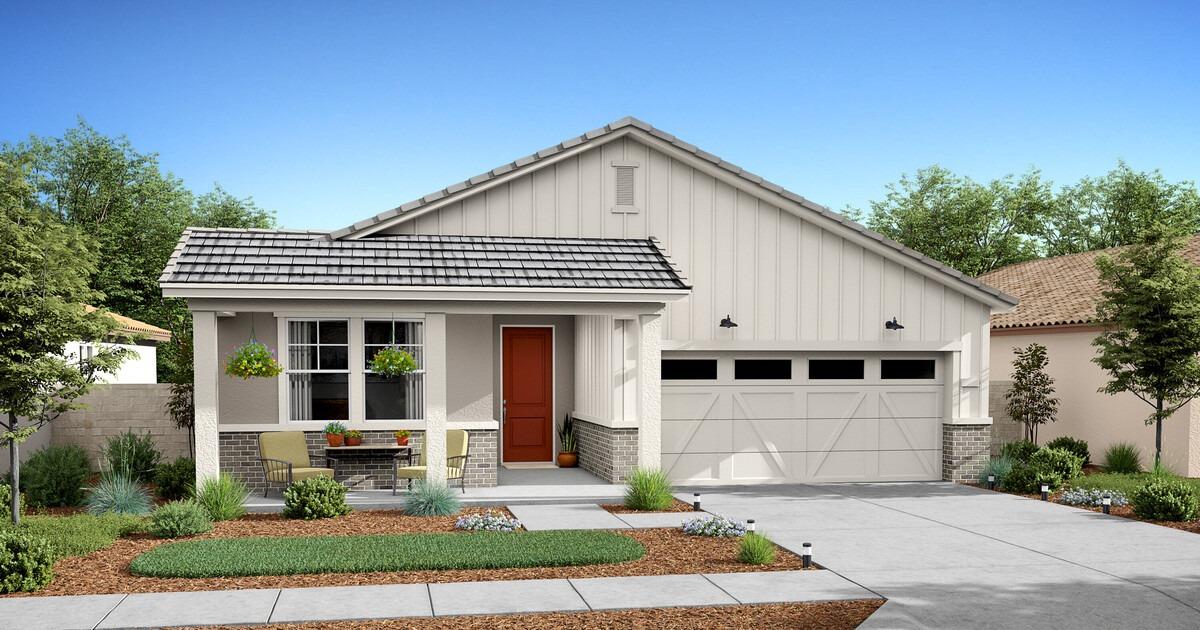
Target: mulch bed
x,y
668,551
677,506
1123,511
823,616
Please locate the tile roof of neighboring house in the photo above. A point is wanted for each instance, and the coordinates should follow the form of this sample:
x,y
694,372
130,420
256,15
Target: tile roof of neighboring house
x,y
133,327
227,256
1058,291
631,122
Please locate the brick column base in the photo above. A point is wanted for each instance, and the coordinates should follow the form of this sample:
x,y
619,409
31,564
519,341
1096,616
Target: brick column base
x,y
965,450
610,454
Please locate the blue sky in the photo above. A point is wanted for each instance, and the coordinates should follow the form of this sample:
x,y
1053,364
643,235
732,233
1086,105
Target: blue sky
x,y
331,112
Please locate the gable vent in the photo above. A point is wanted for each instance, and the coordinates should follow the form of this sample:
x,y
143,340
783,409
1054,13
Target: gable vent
x,y
624,187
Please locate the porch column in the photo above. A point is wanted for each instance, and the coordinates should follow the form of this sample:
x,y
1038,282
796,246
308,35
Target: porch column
x,y
435,397
206,365
650,390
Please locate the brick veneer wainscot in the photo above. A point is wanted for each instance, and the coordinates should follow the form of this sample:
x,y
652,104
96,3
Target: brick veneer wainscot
x,y
965,450
608,453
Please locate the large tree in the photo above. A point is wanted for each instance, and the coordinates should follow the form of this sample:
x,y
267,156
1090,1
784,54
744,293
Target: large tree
x,y
970,226
45,267
1151,310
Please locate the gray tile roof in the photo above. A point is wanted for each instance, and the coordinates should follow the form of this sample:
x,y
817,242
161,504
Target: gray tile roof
x,y
911,255
229,256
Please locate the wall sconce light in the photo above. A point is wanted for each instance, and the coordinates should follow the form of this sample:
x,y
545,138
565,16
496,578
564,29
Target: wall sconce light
x,y
893,324
728,322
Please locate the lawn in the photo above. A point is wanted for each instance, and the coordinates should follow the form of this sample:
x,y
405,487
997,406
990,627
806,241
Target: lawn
x,y
236,557
80,534
1125,484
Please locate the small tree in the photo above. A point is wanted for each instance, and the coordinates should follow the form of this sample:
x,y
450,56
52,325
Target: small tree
x,y
1031,400
1151,306
44,271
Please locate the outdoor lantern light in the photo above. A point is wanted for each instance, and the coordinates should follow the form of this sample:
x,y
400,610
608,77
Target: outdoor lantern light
x,y
893,325
806,555
696,501
1106,502
728,322
749,524
1045,492
991,482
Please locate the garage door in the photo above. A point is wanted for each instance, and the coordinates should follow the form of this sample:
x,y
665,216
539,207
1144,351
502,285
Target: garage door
x,y
729,418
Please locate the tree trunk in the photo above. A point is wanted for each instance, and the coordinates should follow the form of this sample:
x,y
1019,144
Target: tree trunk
x,y
1158,432
14,467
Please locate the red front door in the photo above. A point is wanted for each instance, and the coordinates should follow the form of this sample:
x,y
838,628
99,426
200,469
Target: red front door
x,y
528,394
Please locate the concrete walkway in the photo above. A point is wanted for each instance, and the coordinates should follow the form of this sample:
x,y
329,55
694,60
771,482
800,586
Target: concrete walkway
x,y
258,606
949,556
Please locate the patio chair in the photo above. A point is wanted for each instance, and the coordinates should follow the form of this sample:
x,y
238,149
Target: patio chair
x,y
457,453
284,459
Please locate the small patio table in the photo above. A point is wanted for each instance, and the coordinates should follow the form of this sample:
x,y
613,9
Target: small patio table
x,y
390,451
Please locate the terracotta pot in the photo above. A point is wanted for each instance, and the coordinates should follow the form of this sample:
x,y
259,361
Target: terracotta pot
x,y
568,460
402,441
334,439
354,441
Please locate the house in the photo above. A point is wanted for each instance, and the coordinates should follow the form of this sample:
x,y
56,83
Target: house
x,y
688,313
1058,310
140,338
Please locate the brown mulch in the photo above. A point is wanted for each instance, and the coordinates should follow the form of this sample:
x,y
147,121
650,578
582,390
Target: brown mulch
x,y
668,551
1123,511
842,615
676,506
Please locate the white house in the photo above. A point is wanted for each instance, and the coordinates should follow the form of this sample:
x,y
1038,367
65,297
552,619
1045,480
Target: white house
x,y
140,338
689,314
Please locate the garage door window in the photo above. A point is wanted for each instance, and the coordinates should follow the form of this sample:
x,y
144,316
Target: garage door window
x,y
835,369
689,369
906,369
762,369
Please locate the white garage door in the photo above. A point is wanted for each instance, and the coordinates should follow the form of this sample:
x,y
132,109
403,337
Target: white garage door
x,y
731,418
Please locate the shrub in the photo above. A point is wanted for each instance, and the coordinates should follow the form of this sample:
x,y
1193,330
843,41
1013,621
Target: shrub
x,y
1063,463
223,497
133,455
1019,451
1075,446
1165,499
315,497
26,562
714,526
119,493
1123,458
6,500
1027,478
180,518
487,522
756,549
430,499
648,490
176,480
998,466
81,534
55,476
1091,497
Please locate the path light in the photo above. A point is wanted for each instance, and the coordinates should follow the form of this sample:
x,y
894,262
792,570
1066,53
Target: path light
x,y
806,555
991,482
1106,502
696,501
1045,492
749,524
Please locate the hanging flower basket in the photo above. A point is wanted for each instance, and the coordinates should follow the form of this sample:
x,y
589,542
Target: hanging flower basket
x,y
253,360
393,362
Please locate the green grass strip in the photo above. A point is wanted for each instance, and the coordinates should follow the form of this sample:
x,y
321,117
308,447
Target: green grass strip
x,y
237,557
80,534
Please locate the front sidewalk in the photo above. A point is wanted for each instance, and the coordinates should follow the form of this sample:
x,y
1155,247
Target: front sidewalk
x,y
260,606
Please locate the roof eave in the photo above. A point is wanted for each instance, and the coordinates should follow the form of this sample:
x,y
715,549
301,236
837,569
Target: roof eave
x,y
419,293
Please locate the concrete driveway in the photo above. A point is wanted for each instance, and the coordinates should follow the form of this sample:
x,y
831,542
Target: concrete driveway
x,y
949,556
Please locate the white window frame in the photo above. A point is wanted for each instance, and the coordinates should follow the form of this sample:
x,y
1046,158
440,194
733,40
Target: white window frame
x,y
362,325
285,356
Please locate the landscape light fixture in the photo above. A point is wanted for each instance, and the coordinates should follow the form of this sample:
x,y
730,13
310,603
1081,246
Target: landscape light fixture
x,y
1106,503
696,501
728,322
991,482
749,524
806,555
893,324
1045,492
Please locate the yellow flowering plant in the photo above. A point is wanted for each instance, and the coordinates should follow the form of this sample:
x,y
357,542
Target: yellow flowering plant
x,y
393,362
253,360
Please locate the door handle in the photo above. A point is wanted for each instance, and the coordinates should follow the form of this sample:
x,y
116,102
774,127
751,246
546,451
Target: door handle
x,y
503,410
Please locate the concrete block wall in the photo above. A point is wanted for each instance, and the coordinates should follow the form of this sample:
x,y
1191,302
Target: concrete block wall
x,y
608,453
114,409
965,450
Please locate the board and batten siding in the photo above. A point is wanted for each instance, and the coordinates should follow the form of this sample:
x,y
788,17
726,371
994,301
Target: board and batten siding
x,y
606,370
781,278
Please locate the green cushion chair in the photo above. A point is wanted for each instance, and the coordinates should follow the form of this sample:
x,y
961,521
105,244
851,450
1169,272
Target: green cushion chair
x,y
284,459
457,453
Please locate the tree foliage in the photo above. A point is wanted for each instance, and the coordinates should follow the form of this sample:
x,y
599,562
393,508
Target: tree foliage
x,y
1151,306
1031,401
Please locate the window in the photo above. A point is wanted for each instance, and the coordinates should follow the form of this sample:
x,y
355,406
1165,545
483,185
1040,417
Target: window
x,y
689,369
906,368
318,373
762,369
835,369
400,397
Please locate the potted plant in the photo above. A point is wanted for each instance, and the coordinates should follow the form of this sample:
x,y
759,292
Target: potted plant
x,y
253,360
401,437
392,362
354,438
335,433
567,455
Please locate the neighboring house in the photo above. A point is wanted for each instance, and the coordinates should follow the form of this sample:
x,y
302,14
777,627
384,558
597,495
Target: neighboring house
x,y
600,277
140,338
1058,308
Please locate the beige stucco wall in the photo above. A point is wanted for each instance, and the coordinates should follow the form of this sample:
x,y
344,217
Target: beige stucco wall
x,y
246,401
1099,418
564,357
469,360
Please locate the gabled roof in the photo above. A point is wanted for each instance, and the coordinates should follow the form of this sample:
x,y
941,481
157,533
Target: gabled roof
x,y
1059,291
633,125
279,257
128,326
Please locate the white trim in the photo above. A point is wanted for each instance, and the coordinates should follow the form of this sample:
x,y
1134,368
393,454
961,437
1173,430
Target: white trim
x,y
377,425
339,292
553,390
731,345
967,421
